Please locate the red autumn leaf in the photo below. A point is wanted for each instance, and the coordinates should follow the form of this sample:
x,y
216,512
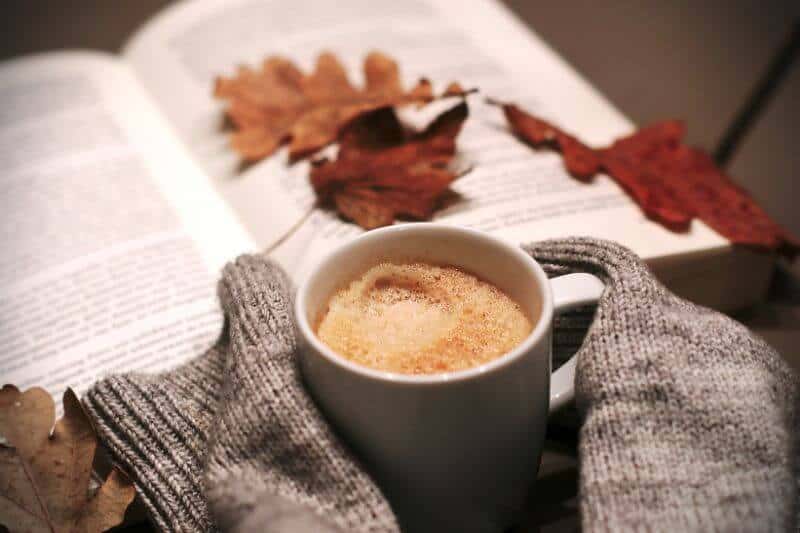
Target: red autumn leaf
x,y
382,171
641,165
580,160
279,103
672,183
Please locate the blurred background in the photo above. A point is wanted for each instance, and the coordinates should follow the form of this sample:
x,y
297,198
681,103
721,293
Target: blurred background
x,y
703,62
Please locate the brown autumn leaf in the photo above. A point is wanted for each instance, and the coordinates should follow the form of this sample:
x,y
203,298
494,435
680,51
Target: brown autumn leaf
x,y
383,171
279,103
44,477
671,182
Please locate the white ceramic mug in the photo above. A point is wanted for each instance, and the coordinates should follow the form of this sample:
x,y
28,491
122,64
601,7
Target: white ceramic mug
x,y
453,451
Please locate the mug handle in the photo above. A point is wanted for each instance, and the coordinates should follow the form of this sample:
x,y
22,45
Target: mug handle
x,y
570,291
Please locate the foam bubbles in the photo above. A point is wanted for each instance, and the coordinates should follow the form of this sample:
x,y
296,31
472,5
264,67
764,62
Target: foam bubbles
x,y
417,318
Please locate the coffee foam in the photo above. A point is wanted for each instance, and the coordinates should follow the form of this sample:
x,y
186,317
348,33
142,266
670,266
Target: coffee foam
x,y
417,318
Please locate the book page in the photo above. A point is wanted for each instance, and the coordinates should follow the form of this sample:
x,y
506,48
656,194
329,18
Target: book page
x,y
514,192
110,248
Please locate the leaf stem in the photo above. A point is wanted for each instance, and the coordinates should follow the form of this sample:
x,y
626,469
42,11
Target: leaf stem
x,y
491,101
16,504
39,499
291,231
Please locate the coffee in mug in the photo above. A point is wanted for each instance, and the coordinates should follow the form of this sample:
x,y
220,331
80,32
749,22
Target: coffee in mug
x,y
421,318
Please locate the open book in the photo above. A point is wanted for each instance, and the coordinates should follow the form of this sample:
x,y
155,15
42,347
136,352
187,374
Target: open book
x,y
122,199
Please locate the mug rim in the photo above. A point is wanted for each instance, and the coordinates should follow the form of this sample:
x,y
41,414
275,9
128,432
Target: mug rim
x,y
531,340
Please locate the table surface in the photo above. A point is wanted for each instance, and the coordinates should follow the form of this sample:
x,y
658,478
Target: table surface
x,y
749,34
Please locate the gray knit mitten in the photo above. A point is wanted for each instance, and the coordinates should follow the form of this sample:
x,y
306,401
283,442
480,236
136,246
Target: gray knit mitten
x,y
232,440
689,418
688,425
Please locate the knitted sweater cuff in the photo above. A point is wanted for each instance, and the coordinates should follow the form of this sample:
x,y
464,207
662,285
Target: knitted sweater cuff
x,y
157,435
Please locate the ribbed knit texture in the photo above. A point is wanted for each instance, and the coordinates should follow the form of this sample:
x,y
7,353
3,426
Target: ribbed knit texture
x,y
233,436
689,418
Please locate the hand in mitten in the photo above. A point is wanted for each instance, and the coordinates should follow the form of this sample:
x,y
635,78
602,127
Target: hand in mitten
x,y
270,448
689,417
232,440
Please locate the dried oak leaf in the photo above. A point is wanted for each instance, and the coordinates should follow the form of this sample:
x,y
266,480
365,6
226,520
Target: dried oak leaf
x,y
671,182
279,103
44,477
383,171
